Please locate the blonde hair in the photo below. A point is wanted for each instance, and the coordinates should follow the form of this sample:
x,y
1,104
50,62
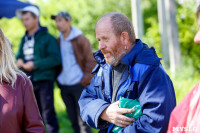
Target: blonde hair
x,y
8,68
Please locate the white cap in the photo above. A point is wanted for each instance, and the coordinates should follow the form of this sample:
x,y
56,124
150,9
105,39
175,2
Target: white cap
x,y
31,9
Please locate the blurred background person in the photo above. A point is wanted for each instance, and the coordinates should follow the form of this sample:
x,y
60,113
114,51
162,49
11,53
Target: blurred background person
x,y
18,108
77,65
38,56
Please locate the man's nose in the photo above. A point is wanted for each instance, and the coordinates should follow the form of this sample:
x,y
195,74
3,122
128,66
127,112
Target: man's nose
x,y
102,45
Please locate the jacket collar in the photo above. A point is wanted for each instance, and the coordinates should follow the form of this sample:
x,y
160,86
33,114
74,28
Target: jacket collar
x,y
99,57
74,33
131,56
40,30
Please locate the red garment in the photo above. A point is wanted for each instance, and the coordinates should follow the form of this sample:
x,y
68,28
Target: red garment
x,y
185,118
18,108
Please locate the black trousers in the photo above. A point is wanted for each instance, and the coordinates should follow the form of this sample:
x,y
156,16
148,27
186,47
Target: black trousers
x,y
44,95
70,96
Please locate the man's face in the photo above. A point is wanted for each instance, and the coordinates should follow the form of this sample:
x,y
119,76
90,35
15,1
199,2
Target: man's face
x,y
29,21
109,44
62,24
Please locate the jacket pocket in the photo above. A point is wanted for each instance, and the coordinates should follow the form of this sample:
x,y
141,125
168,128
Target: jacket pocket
x,y
98,84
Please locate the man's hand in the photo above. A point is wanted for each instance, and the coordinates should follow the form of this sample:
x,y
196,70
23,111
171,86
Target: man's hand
x,y
114,114
28,66
20,63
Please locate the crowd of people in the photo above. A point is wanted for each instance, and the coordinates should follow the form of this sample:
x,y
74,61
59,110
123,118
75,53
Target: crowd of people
x,y
45,59
91,84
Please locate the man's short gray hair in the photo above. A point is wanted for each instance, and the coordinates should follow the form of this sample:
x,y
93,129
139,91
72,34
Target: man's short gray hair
x,y
120,23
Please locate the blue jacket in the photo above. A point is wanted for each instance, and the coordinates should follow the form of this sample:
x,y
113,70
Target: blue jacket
x,y
145,80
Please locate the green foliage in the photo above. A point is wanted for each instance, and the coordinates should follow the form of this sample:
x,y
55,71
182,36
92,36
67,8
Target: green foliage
x,y
84,15
151,27
187,26
13,29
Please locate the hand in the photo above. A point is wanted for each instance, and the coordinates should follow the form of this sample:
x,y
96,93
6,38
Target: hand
x,y
20,63
28,66
114,114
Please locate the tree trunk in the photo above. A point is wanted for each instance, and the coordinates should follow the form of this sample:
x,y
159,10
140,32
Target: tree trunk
x,y
172,31
163,32
137,18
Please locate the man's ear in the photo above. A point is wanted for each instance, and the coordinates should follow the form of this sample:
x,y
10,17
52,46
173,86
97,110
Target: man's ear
x,y
37,19
124,37
69,21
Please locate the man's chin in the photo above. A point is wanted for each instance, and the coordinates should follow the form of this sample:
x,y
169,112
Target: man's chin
x,y
112,62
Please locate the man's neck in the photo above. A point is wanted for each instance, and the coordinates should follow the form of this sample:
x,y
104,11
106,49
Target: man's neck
x,y
32,31
66,33
130,47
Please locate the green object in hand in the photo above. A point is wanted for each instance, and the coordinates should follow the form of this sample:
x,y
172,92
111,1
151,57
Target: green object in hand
x,y
129,104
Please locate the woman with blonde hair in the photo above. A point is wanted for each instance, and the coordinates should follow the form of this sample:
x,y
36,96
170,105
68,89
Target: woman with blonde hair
x,y
18,108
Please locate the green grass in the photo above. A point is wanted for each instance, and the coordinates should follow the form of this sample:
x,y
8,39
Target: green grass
x,y
183,83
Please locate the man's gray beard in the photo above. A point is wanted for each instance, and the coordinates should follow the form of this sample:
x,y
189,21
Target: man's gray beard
x,y
116,60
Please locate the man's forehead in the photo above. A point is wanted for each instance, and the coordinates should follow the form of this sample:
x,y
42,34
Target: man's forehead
x,y
27,14
104,20
104,24
58,17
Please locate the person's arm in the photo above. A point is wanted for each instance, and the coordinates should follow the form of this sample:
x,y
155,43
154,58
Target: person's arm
x,y
157,100
114,114
19,54
53,57
20,63
98,113
88,62
32,121
92,105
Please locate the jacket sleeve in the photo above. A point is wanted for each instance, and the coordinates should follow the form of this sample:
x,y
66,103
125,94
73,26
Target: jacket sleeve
x,y
52,58
91,106
88,62
19,54
157,100
32,120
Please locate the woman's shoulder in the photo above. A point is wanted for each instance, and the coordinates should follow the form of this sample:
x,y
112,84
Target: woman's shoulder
x,y
22,79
